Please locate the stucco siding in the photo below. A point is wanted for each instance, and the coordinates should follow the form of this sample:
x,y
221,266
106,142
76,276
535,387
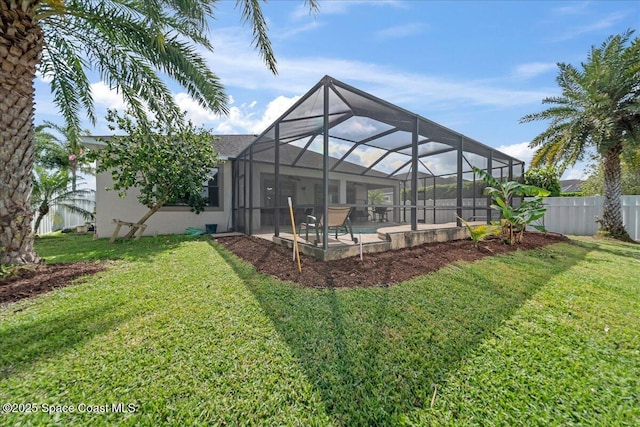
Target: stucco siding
x,y
169,220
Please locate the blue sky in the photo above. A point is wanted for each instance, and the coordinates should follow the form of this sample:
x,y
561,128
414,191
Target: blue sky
x,y
473,66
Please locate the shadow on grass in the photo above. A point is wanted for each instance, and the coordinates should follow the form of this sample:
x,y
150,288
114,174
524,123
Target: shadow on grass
x,y
375,354
45,337
613,247
82,247
73,321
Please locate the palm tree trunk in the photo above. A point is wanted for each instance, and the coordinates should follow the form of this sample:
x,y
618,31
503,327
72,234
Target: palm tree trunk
x,y
21,43
36,225
611,224
74,174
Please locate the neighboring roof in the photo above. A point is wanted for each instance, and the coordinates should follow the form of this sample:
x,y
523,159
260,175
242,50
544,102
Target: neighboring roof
x,y
227,146
570,185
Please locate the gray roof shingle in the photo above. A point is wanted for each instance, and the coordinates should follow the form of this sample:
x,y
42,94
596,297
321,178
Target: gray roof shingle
x,y
226,145
232,145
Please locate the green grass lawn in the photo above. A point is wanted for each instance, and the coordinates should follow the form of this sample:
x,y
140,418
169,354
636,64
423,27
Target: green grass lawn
x,y
190,335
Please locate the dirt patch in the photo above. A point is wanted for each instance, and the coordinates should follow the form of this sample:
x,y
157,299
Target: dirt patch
x,y
376,269
30,281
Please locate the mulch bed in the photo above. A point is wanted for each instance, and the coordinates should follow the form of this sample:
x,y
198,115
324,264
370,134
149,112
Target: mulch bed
x,y
376,269
36,279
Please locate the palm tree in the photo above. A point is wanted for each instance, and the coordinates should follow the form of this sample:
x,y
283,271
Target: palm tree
x,y
128,44
66,153
52,189
599,109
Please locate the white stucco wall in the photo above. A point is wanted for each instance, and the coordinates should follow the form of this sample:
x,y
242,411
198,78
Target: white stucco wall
x,y
168,220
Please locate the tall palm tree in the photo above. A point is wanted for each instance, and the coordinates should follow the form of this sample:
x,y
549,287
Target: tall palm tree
x,y
52,189
599,109
128,43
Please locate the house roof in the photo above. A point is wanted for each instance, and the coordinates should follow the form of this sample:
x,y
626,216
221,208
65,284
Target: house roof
x,y
227,146
570,185
232,145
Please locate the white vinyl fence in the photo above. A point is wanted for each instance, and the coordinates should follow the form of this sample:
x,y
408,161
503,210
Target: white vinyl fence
x,y
59,218
577,215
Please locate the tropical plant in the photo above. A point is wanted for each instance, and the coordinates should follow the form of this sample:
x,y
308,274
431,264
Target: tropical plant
x,y
547,178
515,219
165,162
480,232
128,43
66,153
376,196
599,109
52,189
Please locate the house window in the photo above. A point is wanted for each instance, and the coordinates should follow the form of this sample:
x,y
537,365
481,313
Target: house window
x,y
211,189
210,192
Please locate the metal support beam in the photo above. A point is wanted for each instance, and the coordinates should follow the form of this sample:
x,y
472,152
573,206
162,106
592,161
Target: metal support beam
x,y
276,171
234,195
414,174
510,169
325,166
303,150
490,170
460,181
248,187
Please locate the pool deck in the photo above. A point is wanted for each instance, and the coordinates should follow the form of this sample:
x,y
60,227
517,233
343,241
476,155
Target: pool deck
x,y
390,237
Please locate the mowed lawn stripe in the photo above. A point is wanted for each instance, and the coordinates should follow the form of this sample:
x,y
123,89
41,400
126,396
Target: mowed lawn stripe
x,y
179,336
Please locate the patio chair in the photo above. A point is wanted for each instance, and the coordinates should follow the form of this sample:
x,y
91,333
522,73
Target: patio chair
x,y
338,220
307,213
381,212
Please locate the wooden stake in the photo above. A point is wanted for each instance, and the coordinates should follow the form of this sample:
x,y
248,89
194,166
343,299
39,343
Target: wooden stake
x,y
295,237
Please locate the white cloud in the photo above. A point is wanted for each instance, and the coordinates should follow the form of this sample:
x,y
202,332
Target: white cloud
x,y
45,78
335,7
603,23
522,151
579,171
106,96
195,112
534,69
274,109
242,119
575,8
399,31
292,32
239,66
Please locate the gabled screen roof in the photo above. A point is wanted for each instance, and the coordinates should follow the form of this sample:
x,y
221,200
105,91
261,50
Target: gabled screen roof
x,y
367,136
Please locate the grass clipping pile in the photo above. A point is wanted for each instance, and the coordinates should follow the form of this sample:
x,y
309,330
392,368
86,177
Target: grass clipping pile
x,y
376,269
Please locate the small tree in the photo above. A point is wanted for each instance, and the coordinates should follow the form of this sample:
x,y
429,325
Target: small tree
x,y
164,161
547,178
52,189
514,219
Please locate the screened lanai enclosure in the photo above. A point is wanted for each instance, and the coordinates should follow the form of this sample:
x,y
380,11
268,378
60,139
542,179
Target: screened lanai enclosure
x,y
341,147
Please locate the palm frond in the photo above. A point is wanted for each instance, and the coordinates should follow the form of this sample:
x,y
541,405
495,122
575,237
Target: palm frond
x,y
252,12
